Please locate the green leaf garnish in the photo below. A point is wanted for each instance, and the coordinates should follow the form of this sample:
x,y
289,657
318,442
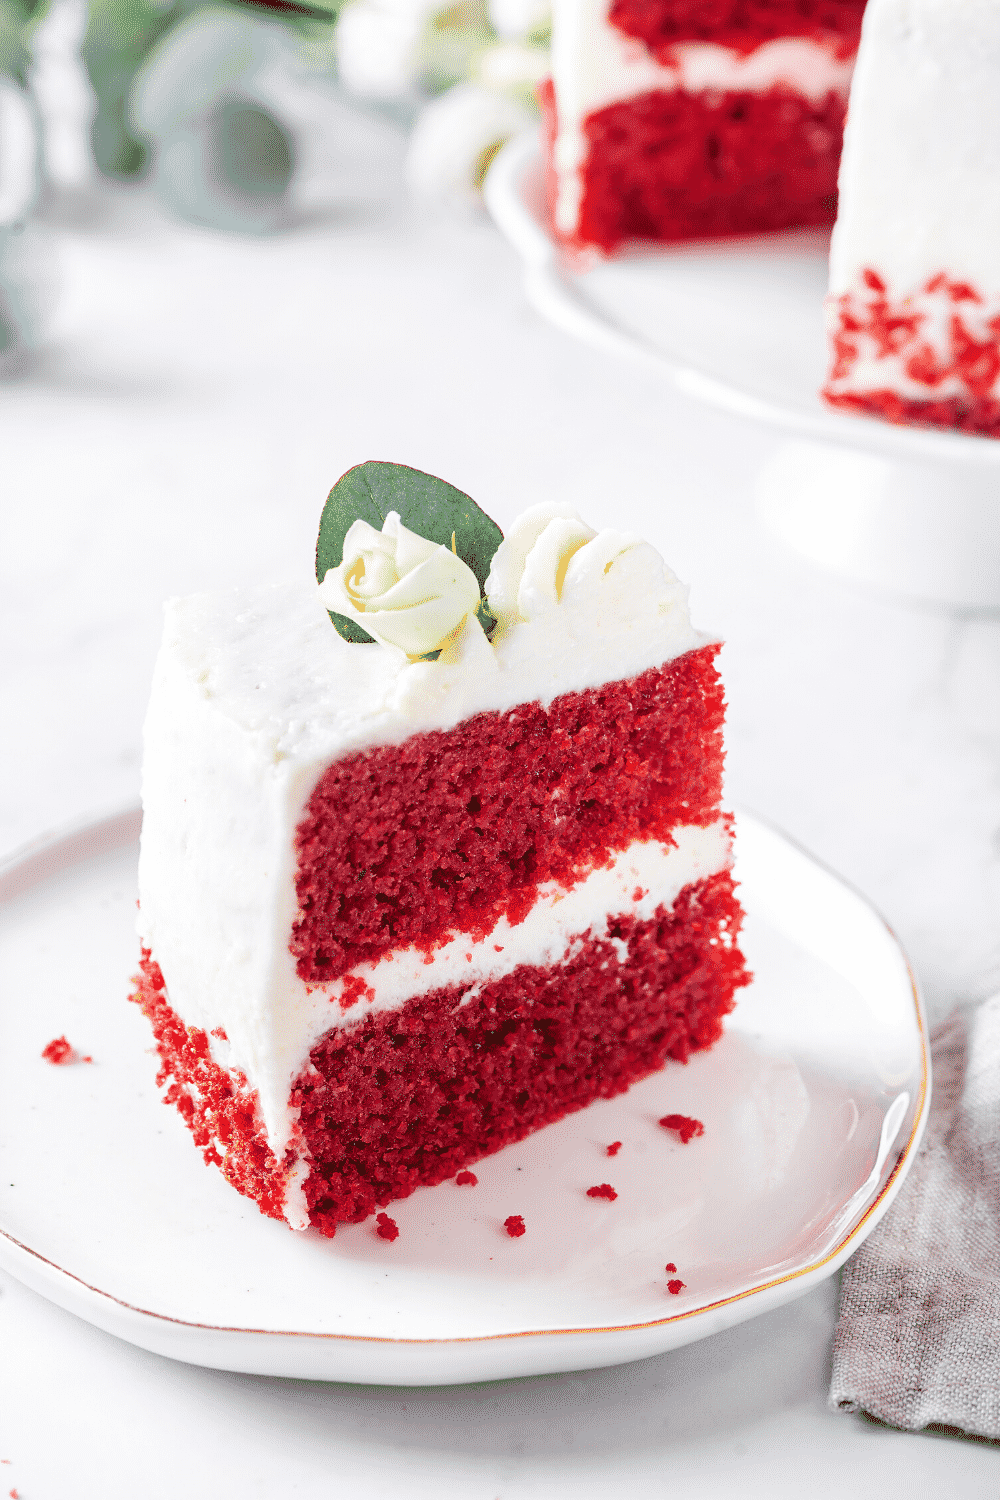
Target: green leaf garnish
x,y
426,505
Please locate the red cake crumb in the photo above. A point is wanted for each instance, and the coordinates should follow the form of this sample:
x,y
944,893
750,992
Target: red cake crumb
x,y
614,1148
467,1179
670,1266
406,1098
59,1051
604,1190
741,25
514,1226
667,166
221,1114
220,1032
382,864
877,323
673,1287
387,1229
684,1126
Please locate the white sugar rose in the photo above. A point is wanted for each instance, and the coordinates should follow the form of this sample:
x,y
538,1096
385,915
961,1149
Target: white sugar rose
x,y
405,591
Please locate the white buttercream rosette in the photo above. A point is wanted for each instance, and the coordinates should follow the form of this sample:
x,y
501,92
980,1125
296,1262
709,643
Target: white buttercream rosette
x,y
404,590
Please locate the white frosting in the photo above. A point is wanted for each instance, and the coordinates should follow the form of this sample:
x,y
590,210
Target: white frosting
x,y
919,186
594,65
255,695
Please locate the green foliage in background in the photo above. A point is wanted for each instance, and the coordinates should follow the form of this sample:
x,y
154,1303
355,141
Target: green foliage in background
x,y
120,36
16,20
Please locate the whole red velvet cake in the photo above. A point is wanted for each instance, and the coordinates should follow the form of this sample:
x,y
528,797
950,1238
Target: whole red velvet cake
x,y
681,119
412,890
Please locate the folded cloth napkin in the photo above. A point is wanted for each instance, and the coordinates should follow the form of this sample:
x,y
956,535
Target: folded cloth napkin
x,y
918,1338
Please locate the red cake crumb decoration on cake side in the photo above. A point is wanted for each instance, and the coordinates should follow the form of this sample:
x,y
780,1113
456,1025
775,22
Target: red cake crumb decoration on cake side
x,y
514,1226
684,1126
59,1051
614,1148
604,1190
941,335
742,25
674,1287
222,1117
467,1179
482,830
386,1228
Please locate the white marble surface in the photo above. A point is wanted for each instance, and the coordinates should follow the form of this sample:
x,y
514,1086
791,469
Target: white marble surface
x,y
198,397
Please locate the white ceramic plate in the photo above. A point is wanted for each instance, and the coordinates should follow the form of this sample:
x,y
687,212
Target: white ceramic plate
x,y
737,323
813,1105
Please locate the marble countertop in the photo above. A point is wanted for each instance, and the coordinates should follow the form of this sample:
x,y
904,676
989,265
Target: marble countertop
x,y
180,430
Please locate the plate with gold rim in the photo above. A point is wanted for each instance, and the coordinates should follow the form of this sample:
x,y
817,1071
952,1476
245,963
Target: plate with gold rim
x,y
812,1104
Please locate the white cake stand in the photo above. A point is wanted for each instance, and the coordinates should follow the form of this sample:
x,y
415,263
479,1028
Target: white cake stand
x,y
908,511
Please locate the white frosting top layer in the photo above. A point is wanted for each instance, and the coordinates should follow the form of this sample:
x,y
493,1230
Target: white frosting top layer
x,y
594,65
919,182
255,694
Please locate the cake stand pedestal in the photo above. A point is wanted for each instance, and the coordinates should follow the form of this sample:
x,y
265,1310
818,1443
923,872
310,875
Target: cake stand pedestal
x,y
912,513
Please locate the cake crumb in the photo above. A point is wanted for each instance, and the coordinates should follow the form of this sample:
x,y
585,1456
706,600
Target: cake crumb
x,y
59,1051
614,1148
467,1179
675,1287
386,1228
670,1266
514,1226
603,1190
220,1032
684,1125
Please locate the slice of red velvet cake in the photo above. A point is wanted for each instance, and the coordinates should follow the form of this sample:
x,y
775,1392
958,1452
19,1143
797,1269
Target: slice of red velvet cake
x,y
681,119
408,895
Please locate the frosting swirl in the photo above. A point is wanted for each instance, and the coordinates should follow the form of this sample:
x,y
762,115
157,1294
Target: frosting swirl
x,y
405,591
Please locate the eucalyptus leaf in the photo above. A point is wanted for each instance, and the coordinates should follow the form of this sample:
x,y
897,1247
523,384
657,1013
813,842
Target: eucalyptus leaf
x,y
426,505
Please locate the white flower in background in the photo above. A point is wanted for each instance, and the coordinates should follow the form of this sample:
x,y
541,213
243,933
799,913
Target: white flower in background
x,y
551,559
379,45
405,591
19,152
455,139
514,19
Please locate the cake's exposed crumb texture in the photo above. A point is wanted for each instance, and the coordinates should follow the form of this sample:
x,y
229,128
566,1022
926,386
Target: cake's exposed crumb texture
x,y
931,358
221,1115
59,1051
684,1126
741,25
603,1190
514,1226
668,165
406,844
405,1098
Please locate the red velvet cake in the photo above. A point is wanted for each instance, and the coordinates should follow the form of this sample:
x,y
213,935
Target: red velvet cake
x,y
914,307
410,895
681,119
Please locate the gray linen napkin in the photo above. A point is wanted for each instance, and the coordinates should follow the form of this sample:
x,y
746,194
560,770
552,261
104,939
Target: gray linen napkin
x,y
918,1339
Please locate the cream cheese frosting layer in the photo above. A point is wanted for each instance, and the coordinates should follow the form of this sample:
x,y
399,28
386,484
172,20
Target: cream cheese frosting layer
x,y
594,65
919,188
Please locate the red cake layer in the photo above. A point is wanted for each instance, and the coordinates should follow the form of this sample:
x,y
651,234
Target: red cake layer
x,y
219,1110
407,1098
965,346
741,25
674,166
406,844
